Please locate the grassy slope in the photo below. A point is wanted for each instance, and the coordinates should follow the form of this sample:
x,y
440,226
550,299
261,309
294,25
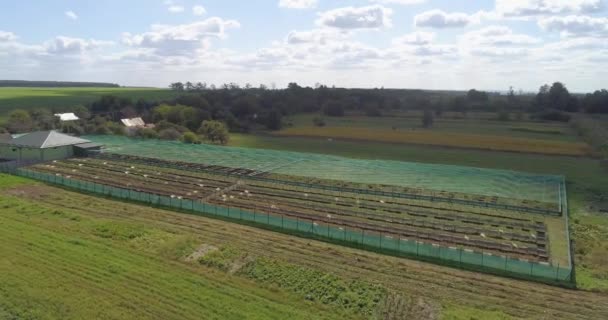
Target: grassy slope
x,y
58,264
57,98
114,258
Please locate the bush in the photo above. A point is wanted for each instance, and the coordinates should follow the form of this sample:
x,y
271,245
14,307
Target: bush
x,y
169,134
148,133
318,121
503,116
552,116
116,128
191,137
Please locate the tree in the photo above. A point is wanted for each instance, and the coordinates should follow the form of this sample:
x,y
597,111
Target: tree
x,y
318,121
214,131
459,104
273,120
177,86
427,119
81,112
19,121
477,96
43,119
559,97
189,86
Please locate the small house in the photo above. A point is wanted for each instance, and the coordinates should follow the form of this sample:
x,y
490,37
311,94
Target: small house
x,y
44,146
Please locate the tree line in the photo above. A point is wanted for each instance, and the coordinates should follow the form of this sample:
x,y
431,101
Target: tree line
x,y
250,109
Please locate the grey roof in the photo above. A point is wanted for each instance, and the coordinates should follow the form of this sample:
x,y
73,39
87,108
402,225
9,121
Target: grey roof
x,y
5,137
46,139
89,145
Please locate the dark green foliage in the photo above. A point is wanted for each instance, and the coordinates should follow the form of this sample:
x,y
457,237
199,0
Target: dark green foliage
x,y
214,131
191,137
20,121
318,121
427,119
477,96
596,102
169,134
552,116
333,108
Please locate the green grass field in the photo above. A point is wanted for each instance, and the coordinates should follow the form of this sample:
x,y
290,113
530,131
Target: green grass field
x,y
474,124
66,255
58,98
59,263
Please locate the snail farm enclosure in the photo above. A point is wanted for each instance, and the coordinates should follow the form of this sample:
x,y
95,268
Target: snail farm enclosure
x,y
495,221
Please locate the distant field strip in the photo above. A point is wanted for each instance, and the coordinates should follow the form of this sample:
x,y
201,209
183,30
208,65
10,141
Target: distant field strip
x,y
487,182
60,98
427,137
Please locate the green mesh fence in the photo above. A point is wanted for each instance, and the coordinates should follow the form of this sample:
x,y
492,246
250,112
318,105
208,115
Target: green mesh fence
x,y
386,243
477,181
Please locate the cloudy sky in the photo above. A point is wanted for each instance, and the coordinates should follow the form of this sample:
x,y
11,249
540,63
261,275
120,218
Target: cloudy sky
x,y
434,44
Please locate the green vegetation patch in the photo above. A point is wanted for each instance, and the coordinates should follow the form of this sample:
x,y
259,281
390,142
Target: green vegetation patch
x,y
459,312
357,296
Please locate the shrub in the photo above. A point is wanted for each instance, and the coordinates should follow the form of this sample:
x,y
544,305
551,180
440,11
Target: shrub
x,y
318,121
169,134
503,116
552,116
191,137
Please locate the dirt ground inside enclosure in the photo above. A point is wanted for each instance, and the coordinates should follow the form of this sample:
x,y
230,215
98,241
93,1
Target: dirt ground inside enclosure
x,y
429,282
174,183
180,183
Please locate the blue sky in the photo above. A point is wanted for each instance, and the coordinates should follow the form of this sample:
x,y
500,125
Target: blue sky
x,y
441,44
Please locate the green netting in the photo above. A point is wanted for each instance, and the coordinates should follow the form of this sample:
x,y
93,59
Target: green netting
x,y
487,182
457,257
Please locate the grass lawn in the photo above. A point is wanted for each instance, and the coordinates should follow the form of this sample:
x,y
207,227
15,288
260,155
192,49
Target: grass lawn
x,y
65,264
58,98
72,256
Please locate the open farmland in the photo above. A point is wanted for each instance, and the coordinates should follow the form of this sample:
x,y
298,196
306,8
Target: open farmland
x,y
83,224
58,99
489,233
435,138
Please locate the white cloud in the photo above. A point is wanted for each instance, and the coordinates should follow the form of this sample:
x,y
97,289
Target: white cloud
x,y
6,36
175,9
199,10
71,15
527,8
441,19
173,40
399,2
576,25
499,52
350,18
316,36
415,38
298,4
497,36
68,46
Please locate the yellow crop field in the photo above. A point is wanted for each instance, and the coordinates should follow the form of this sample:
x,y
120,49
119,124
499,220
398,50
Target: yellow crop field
x,y
447,139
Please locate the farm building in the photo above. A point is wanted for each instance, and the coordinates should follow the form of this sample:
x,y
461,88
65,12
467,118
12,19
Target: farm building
x,y
44,146
66,116
135,123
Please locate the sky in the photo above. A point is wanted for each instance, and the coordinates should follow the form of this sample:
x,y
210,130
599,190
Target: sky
x,y
427,44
